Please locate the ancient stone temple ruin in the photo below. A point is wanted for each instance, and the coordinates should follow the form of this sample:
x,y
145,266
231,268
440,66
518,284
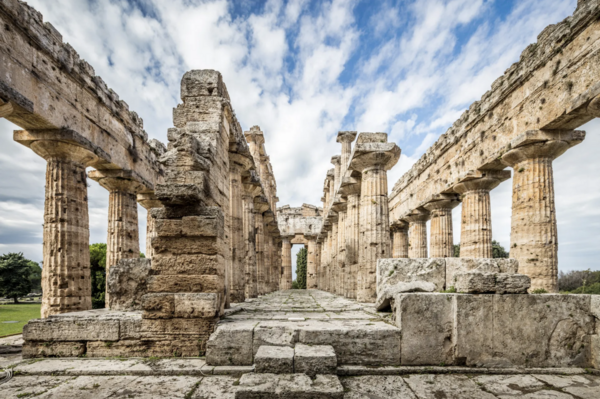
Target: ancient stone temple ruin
x,y
380,291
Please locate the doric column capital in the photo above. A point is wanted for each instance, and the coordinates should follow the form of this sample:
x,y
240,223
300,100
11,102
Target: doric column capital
x,y
481,180
148,200
240,162
268,216
541,144
417,216
373,151
63,144
118,180
594,107
399,225
255,135
442,201
346,137
261,204
339,204
336,160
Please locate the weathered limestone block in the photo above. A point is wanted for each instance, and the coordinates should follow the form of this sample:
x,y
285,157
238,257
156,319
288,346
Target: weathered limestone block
x,y
274,333
354,341
543,330
390,292
473,334
274,359
71,329
33,349
231,344
393,271
426,321
127,283
475,282
483,265
289,386
313,360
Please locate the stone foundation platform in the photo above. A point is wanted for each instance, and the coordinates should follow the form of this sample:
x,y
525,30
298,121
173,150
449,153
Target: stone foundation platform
x,y
424,329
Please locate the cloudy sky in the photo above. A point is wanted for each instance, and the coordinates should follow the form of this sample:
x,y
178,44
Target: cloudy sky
x,y
303,70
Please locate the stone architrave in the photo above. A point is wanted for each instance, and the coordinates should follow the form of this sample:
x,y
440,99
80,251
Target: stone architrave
x,y
441,236
66,283
399,239
476,223
148,200
373,157
286,264
417,234
238,164
123,232
533,238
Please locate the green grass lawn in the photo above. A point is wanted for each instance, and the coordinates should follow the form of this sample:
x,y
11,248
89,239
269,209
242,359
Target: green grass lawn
x,y
21,313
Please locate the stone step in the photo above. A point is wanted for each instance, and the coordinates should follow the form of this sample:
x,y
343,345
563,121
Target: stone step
x,y
358,342
289,386
308,359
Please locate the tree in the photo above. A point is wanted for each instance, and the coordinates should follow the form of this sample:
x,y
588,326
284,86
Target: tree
x,y
35,276
98,274
498,250
301,268
14,276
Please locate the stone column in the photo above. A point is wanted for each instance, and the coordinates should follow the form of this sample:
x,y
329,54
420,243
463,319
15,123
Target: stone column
x,y
373,156
476,226
336,161
341,254
148,200
346,139
260,247
311,263
251,290
400,239
417,234
442,240
286,264
237,165
333,266
534,241
123,232
328,263
66,283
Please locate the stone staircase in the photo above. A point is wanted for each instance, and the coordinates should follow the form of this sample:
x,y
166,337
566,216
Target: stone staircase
x,y
303,371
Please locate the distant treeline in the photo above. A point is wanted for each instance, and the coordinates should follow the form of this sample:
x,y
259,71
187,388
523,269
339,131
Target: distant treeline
x,y
579,282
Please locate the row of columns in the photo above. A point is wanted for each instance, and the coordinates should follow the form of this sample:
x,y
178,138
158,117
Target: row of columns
x,y
355,230
533,223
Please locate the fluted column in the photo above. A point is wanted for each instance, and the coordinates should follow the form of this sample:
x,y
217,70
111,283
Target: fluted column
x,y
328,264
260,247
148,201
286,264
341,254
352,239
66,283
476,218
346,139
417,235
237,165
441,235
400,240
534,239
123,231
318,254
249,227
334,258
311,264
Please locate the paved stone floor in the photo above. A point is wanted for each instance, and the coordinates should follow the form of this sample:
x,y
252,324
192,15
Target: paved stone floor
x,y
191,378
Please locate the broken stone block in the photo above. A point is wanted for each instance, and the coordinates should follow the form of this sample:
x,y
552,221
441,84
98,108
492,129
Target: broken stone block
x,y
484,265
384,298
231,344
126,284
314,359
476,282
275,333
274,359
426,322
53,349
393,271
64,328
196,305
289,386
